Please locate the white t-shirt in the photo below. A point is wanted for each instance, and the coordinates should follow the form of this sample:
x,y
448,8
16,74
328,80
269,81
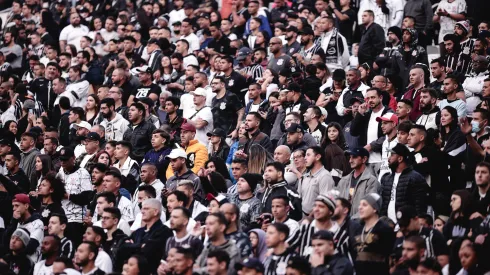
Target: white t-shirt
x,y
103,261
385,154
187,105
72,35
206,115
372,135
447,24
391,205
42,269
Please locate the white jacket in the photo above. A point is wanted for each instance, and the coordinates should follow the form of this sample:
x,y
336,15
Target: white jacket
x,y
79,90
114,130
473,86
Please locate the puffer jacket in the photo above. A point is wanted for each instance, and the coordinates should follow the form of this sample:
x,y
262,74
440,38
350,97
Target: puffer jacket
x,y
412,189
140,138
335,265
366,184
197,155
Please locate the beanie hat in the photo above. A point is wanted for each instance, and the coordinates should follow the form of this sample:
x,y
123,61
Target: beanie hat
x,y
465,25
252,180
397,31
374,200
22,234
327,200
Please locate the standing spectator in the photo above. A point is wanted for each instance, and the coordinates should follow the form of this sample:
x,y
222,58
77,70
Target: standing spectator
x,y
29,153
245,200
12,51
422,14
76,181
140,131
234,81
71,34
473,83
179,219
372,40
334,45
114,124
417,76
403,186
57,226
447,14
178,159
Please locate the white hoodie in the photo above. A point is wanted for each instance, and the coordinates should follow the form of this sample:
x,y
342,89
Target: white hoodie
x,y
114,130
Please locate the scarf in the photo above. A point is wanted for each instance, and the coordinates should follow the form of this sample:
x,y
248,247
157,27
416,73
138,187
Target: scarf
x,y
334,48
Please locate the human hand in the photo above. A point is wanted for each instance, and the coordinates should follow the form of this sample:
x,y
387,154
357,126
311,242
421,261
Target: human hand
x,y
316,259
362,108
465,126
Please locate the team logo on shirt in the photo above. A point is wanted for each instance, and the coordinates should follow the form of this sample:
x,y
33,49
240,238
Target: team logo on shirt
x,y
466,50
280,62
45,213
291,50
281,268
244,208
222,106
414,53
231,82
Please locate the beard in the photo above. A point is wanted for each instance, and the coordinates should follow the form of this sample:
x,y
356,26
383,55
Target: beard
x,y
82,262
304,42
108,115
393,165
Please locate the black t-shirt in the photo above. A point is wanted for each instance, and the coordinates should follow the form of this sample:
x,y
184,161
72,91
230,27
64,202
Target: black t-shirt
x,y
145,91
240,29
434,240
237,84
225,112
345,27
220,46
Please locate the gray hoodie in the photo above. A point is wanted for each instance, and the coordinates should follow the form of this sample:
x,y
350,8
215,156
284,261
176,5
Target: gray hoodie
x,y
229,247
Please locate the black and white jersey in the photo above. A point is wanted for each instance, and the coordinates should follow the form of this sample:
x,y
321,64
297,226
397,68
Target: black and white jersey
x,y
277,264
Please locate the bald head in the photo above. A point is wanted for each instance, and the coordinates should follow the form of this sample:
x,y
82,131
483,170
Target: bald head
x,y
282,154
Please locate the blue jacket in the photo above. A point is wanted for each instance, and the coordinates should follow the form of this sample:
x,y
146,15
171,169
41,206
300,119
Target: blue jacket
x,y
158,158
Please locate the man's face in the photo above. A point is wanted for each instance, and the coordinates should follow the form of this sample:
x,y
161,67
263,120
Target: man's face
x,y
26,143
271,175
352,78
253,8
449,87
479,64
64,61
134,114
11,163
177,219
482,176
426,101
373,99
83,255
414,138
458,30
486,88
51,72
279,209
275,45
366,18
16,243
111,184
321,211
213,228
75,19
402,110
356,162
101,204
48,245
54,226
186,136
323,247
294,138
97,176
108,221
181,264
281,155
109,25
251,123
410,251
214,267
272,237
172,203
242,186
379,82
416,76
449,45
177,164
186,28
237,170
436,70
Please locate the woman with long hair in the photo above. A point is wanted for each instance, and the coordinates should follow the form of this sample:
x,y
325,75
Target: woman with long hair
x,y
104,158
458,224
258,157
453,145
163,75
11,126
335,135
367,74
212,182
261,40
136,265
92,108
269,81
43,166
215,17
50,192
259,247
71,49
218,165
110,147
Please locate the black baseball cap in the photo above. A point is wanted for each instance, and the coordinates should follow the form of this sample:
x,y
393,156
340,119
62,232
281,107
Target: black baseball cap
x,y
295,128
145,100
358,152
401,150
93,136
323,235
405,214
294,87
66,153
292,29
217,132
153,41
307,31
300,264
356,99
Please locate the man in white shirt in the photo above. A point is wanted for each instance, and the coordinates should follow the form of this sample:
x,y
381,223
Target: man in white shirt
x,y
189,35
108,33
96,235
114,124
201,116
148,177
72,33
448,13
50,249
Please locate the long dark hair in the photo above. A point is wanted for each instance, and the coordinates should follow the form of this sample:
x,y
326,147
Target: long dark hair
x,y
57,185
453,125
340,139
220,167
47,166
142,264
97,103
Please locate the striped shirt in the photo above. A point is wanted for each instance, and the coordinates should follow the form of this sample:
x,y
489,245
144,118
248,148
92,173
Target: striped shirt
x,y
307,54
189,241
435,243
67,248
277,264
255,71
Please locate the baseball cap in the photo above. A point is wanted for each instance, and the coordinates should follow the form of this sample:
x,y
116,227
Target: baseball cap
x,y
218,132
243,53
338,75
356,99
295,128
144,69
199,91
294,87
93,136
153,41
83,124
358,152
8,138
66,153
177,153
405,214
389,117
307,31
188,6
253,263
323,235
401,150
300,264
188,127
484,34
145,100
22,198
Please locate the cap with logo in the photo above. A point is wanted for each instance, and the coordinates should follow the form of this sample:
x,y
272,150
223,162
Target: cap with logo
x,y
388,117
295,128
323,235
144,69
405,214
177,153
358,152
66,153
152,41
93,136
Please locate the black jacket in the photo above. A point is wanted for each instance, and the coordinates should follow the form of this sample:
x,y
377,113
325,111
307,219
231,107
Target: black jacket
x,y
222,152
372,43
311,87
281,189
140,138
412,189
359,126
334,265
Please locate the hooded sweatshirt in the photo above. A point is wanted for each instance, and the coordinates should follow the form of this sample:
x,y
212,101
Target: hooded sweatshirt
x,y
114,130
229,247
